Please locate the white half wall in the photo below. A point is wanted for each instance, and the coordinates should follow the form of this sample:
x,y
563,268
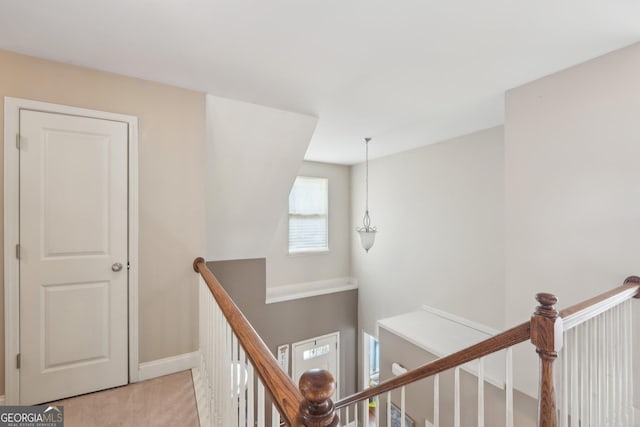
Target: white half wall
x,y
572,144
253,156
439,213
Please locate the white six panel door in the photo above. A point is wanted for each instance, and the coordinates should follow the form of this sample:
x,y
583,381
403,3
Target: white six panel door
x,y
73,237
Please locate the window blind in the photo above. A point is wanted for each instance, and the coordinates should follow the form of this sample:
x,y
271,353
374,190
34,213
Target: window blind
x,y
308,215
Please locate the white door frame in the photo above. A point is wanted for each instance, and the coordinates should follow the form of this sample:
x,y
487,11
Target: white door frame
x,y
366,359
336,374
12,107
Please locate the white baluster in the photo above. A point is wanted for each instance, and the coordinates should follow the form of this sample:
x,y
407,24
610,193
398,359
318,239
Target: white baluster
x,y
242,388
402,407
574,378
456,397
208,339
436,400
617,386
509,386
628,339
593,372
601,374
481,392
388,423
621,364
347,419
261,406
584,364
220,378
365,413
624,374
216,365
250,400
355,413
564,405
226,392
275,416
235,380
607,385
377,411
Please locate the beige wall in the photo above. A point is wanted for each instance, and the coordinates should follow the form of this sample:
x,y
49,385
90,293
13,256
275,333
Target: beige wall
x,y
439,213
572,144
285,269
171,174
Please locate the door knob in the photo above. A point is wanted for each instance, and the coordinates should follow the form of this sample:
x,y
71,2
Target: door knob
x,y
116,267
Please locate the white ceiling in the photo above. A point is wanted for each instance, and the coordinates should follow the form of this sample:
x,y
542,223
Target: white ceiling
x,y
407,72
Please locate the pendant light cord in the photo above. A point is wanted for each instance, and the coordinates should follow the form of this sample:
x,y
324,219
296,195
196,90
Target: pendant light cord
x,y
366,180
366,221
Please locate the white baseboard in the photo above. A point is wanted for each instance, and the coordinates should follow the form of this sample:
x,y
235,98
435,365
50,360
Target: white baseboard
x,y
169,365
310,289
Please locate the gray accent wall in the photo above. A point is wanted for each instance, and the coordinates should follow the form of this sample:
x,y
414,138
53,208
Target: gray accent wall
x,y
292,321
419,395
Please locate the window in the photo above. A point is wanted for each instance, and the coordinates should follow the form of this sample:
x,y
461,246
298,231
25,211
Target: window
x,y
316,352
374,360
308,215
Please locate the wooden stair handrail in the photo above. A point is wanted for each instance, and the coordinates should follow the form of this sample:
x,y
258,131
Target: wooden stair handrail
x,y
579,313
498,342
285,395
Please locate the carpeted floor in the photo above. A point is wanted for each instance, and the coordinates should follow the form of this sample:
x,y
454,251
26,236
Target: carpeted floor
x,y
164,401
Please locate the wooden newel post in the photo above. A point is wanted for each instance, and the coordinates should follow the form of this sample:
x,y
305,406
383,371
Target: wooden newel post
x,y
317,387
546,335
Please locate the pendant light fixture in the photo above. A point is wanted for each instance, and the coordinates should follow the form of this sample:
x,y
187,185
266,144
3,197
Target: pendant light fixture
x,y
367,232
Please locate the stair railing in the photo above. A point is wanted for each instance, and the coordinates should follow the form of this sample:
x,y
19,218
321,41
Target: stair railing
x,y
595,392
596,388
237,369
595,351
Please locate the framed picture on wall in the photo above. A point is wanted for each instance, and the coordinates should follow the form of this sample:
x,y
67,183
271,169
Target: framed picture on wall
x,y
283,357
396,415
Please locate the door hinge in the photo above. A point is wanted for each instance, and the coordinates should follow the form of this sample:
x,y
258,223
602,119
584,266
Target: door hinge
x,y
18,251
18,361
128,266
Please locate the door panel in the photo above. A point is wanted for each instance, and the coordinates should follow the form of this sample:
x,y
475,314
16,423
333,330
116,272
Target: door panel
x,y
79,307
73,228
66,200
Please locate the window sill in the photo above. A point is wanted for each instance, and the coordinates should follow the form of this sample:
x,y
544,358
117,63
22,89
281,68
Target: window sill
x,y
309,252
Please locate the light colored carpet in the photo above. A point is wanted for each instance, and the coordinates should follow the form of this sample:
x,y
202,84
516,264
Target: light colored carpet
x,y
164,401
